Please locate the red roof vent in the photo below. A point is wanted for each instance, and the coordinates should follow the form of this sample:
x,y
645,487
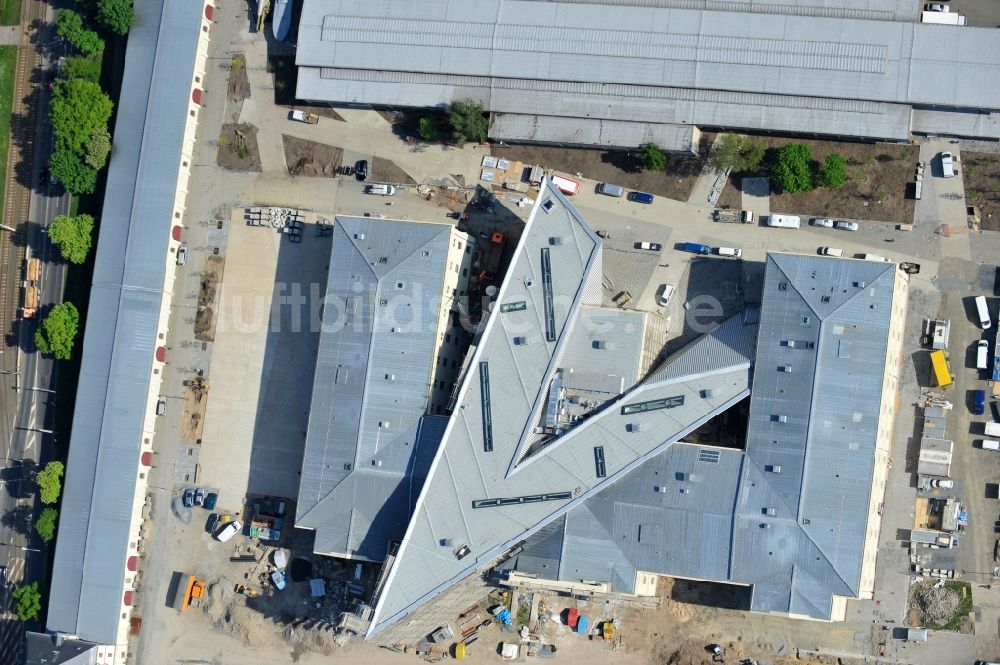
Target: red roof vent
x,y
132,563
128,598
175,233
161,354
146,458
209,12
196,96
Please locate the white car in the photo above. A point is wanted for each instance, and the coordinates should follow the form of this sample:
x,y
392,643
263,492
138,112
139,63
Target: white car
x,y
947,164
229,531
182,255
831,251
822,221
663,294
846,226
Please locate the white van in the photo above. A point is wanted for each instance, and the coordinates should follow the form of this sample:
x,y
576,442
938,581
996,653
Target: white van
x,y
984,314
735,252
947,165
229,531
989,444
831,251
982,354
878,258
783,221
381,190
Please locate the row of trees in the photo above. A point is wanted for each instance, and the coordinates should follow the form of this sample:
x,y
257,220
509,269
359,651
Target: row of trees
x,y
79,113
80,109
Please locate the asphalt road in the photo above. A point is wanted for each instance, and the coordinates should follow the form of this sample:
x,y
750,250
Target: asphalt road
x,y
27,442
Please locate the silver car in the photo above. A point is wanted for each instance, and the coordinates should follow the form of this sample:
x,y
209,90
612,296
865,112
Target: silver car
x,y
846,226
822,221
182,255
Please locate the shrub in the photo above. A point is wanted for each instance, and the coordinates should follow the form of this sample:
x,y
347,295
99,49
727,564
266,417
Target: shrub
x,y
29,601
46,524
49,481
73,235
833,173
57,333
735,152
793,169
468,121
427,128
652,157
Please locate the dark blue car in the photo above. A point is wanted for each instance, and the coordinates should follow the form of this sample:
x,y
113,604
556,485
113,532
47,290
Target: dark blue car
x,y
978,402
696,248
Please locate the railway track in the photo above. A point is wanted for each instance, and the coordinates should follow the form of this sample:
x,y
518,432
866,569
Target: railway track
x,y
20,167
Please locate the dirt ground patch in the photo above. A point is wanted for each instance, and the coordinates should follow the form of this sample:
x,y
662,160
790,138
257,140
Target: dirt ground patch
x,y
311,159
876,189
386,170
981,176
238,148
208,295
239,84
193,420
616,166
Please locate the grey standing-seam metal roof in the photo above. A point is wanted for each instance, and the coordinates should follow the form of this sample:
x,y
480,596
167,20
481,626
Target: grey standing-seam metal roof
x,y
540,479
372,383
813,469
43,649
592,131
120,338
433,53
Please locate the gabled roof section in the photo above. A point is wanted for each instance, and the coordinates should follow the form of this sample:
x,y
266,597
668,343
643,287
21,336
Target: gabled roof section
x,y
373,368
471,509
817,390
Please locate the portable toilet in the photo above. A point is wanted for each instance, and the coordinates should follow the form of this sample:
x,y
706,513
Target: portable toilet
x,y
581,626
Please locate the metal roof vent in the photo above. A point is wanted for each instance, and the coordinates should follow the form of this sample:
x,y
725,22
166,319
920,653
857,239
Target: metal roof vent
x,y
707,393
685,490
390,377
384,424
765,525
773,468
359,236
662,489
777,418
771,512
600,344
555,241
860,285
520,341
376,462
447,542
634,427
782,286
785,368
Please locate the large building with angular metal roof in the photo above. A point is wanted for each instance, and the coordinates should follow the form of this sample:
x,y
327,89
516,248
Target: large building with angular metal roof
x,y
604,494
619,72
794,516
383,369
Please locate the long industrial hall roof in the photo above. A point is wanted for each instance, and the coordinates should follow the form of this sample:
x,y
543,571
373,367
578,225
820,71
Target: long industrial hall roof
x,y
841,68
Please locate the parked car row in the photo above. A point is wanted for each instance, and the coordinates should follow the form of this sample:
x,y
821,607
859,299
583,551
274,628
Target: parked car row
x,y
698,248
834,224
617,191
193,497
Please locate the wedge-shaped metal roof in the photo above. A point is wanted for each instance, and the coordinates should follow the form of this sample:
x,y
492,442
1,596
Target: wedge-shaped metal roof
x,y
496,479
370,391
789,515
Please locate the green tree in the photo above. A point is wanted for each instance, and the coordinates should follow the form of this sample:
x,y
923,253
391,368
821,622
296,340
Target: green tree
x,y
428,128
58,331
78,108
117,15
468,120
793,170
29,601
735,152
46,524
69,26
81,67
49,481
833,173
70,170
73,235
652,157
98,147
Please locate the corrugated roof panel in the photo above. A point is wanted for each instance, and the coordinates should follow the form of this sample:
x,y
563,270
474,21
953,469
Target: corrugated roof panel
x,y
125,303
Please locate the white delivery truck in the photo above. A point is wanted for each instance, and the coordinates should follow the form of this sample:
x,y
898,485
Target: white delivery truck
x,y
992,429
984,313
381,190
983,354
991,445
783,221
